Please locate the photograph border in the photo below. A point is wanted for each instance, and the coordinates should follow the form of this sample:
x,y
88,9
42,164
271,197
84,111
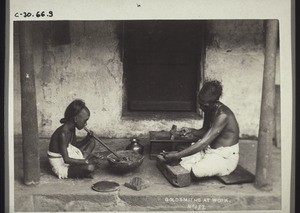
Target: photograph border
x,y
145,10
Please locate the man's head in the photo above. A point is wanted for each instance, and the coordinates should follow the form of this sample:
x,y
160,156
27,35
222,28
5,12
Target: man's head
x,y
209,94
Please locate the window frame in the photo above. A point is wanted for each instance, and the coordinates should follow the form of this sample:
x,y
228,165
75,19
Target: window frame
x,y
158,115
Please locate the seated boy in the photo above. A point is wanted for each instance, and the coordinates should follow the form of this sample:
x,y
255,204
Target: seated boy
x,y
68,158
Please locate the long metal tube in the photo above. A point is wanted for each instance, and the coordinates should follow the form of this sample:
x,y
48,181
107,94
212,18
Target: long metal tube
x,y
88,131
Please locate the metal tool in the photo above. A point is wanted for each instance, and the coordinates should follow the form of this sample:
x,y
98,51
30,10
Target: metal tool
x,y
88,131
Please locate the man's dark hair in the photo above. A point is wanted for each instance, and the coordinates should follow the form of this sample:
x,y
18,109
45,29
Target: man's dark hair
x,y
73,109
211,91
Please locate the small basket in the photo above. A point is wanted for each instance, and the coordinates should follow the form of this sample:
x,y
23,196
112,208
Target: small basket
x,y
134,160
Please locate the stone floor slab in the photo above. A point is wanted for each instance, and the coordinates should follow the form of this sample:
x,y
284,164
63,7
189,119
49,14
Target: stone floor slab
x,y
53,194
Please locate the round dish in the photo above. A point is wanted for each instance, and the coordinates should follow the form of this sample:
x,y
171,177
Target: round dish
x,y
105,186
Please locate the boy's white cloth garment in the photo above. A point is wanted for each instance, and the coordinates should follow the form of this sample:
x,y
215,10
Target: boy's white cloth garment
x,y
210,162
59,167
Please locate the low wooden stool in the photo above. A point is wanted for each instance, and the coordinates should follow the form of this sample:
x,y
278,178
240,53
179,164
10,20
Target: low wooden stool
x,y
176,175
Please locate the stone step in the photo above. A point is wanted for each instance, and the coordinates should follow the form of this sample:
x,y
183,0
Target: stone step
x,y
119,202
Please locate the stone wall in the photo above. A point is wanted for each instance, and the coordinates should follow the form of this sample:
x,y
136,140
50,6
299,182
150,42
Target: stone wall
x,y
235,56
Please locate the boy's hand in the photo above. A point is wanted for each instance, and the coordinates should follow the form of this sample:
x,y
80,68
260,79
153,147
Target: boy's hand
x,y
90,160
86,161
90,134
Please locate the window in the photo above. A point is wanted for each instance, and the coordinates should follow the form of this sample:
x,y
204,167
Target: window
x,y
162,65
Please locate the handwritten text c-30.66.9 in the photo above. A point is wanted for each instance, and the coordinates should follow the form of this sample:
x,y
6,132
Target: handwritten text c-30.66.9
x,y
38,14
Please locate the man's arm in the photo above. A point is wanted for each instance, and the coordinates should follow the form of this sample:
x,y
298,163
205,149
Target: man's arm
x,y
212,133
199,133
63,143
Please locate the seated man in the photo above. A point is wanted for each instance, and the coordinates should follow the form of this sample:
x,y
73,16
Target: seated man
x,y
217,152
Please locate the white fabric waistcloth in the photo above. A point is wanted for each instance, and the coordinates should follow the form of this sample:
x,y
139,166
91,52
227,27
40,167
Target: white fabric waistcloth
x,y
210,162
59,167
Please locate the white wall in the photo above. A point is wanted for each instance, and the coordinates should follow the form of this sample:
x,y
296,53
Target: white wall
x,y
90,68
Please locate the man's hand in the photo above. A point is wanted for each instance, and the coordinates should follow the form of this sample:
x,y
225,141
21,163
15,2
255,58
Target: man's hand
x,y
188,132
171,157
194,132
185,130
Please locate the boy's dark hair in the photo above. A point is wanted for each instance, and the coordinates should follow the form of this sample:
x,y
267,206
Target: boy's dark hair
x,y
73,109
211,91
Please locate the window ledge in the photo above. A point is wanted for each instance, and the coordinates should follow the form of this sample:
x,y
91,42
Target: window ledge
x,y
161,115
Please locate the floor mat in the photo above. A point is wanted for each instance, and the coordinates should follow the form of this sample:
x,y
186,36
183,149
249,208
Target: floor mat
x,y
239,175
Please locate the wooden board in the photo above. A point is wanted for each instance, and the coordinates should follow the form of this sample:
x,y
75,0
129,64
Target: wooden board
x,y
176,175
165,136
160,135
239,175
161,140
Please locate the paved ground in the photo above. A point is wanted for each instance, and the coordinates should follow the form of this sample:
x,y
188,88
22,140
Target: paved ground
x,y
53,194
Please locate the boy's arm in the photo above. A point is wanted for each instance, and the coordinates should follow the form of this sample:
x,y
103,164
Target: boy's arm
x,y
63,143
207,139
82,142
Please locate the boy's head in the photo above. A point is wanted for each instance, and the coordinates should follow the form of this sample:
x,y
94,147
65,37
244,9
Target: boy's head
x,y
209,94
77,112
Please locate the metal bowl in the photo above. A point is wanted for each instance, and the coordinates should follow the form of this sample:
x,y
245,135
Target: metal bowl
x,y
130,160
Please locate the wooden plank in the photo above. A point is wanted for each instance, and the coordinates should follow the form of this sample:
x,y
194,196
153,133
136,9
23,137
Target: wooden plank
x,y
160,135
239,175
176,175
165,136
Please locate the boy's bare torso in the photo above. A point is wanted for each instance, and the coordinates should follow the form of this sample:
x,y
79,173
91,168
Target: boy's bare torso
x,y
55,141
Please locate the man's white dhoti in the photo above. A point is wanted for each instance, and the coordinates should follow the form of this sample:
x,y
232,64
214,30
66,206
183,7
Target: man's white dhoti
x,y
59,167
210,162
